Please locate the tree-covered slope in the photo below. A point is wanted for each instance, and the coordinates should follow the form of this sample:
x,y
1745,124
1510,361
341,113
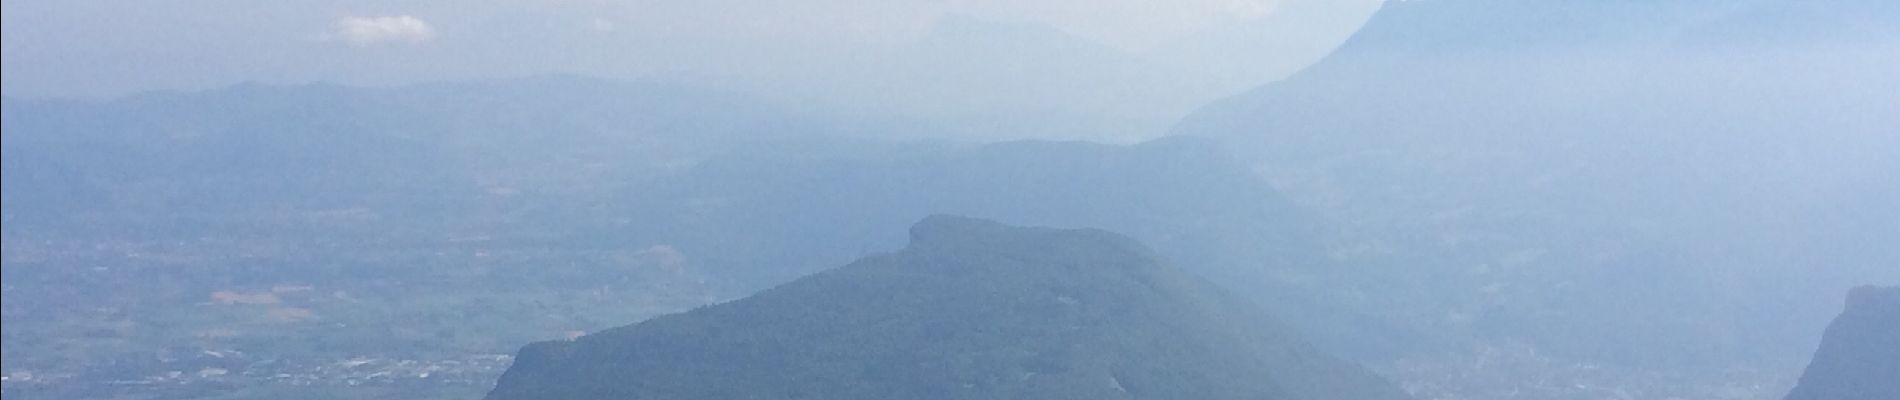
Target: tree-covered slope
x,y
971,309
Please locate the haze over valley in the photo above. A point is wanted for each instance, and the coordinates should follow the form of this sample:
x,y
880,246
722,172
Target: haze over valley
x,y
1427,199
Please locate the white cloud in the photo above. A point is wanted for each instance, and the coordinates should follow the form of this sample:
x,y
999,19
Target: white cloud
x,y
372,31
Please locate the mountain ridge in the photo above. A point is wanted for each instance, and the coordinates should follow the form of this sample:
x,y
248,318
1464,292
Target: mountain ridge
x,y
972,309
1594,136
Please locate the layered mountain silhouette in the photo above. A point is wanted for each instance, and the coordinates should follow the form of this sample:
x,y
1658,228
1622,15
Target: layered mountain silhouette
x,y
1516,161
1508,71
1860,354
971,309
755,194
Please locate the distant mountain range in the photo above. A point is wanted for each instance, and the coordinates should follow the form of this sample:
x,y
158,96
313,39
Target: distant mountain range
x,y
323,143
971,309
1652,185
736,179
756,193
1592,172
575,179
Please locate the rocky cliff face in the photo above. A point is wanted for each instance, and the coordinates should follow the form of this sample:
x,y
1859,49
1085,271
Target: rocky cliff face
x,y
1859,357
971,309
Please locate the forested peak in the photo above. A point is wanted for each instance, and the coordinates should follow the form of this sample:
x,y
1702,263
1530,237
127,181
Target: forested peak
x,y
971,309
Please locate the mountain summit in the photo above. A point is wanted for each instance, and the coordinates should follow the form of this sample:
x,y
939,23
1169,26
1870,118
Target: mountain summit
x,y
971,309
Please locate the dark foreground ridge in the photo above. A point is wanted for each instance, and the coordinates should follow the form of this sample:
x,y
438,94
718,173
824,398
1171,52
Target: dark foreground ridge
x,y
972,309
1860,354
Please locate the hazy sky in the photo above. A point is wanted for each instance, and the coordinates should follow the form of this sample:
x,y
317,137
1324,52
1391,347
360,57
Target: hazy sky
x,y
95,48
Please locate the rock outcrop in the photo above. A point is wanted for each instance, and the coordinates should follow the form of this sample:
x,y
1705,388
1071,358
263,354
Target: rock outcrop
x,y
1859,357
